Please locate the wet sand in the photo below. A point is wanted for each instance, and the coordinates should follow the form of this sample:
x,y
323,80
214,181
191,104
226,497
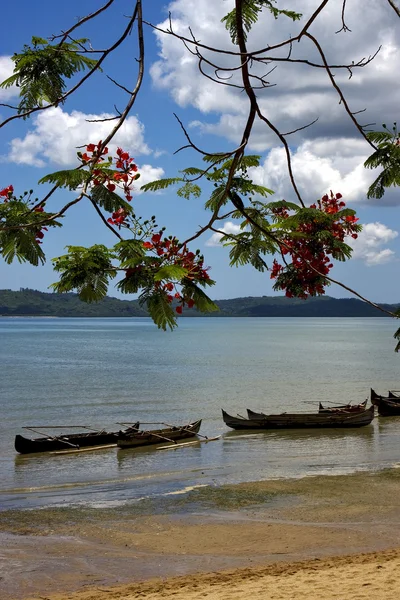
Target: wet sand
x,y
330,537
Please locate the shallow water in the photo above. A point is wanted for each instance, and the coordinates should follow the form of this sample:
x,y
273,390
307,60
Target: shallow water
x,y
98,372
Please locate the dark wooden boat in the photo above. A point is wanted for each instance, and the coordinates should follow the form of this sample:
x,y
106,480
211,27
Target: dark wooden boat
x,y
299,420
388,408
394,395
376,398
68,441
157,436
344,407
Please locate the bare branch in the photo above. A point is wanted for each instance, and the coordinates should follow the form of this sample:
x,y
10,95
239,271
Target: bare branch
x,y
395,8
65,34
337,88
102,217
344,26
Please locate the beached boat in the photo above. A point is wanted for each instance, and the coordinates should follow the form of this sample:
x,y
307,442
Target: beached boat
x,y
70,441
344,407
158,436
299,420
391,395
388,408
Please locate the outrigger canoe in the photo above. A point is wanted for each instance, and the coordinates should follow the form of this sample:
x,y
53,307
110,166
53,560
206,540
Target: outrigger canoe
x,y
299,420
69,441
139,438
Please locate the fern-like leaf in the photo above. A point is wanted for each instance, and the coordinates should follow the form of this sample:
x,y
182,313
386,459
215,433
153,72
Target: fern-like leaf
x,y
172,272
160,184
110,201
189,189
41,69
159,309
70,179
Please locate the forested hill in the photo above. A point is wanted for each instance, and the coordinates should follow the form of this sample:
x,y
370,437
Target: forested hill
x,y
28,302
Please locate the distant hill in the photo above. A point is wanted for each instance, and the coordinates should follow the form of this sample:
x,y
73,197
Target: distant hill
x,y
28,302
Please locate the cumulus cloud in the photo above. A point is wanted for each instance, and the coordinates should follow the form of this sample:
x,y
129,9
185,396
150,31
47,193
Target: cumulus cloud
x,y
319,166
6,70
147,174
301,93
228,227
368,246
57,134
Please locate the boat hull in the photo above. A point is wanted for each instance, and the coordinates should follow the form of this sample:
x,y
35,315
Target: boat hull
x,y
25,445
158,436
300,420
387,408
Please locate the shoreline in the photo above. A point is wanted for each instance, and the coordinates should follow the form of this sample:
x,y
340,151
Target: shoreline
x,y
363,576
251,531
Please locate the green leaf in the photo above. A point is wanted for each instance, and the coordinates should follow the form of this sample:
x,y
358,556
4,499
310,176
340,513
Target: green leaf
x,y
250,14
189,189
71,178
159,309
217,198
21,245
202,301
129,250
86,270
110,201
40,71
171,272
160,184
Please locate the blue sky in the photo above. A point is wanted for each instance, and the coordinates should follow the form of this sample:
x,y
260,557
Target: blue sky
x,y
327,156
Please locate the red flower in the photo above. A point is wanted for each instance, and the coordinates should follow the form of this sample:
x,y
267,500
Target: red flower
x,y
147,245
7,192
179,310
110,187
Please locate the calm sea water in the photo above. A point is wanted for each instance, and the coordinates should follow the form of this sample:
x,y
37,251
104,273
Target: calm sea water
x,y
99,372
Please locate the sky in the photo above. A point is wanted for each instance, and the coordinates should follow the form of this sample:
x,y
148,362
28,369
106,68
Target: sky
x,y
329,155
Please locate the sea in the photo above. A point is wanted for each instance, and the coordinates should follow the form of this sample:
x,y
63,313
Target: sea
x,y
104,373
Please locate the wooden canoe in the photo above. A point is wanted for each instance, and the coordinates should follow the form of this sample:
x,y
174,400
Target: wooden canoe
x,y
388,408
158,436
299,420
68,441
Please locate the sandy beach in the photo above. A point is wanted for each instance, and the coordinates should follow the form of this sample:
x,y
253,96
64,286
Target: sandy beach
x,y
322,537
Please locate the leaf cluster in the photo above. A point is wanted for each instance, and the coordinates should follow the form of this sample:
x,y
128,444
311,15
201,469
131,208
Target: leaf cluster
x,y
387,157
86,270
250,13
19,225
41,69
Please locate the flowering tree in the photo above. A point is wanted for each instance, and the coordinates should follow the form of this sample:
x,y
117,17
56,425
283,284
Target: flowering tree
x,y
295,241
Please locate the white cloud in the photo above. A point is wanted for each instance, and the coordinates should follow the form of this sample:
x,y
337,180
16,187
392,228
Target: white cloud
x,y
319,166
228,227
57,135
367,246
302,93
147,174
6,70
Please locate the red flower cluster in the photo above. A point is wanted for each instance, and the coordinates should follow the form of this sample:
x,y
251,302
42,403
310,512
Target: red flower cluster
x,y
118,217
309,252
7,193
123,161
168,251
